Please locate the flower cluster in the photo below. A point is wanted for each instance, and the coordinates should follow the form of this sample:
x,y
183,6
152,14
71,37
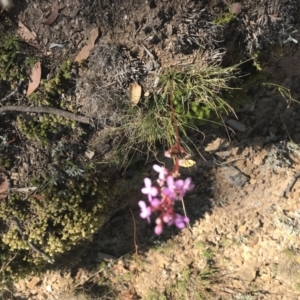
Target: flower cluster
x,y
162,199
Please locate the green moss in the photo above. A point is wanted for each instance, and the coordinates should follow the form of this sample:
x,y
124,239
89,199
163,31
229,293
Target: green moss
x,y
224,18
61,216
53,88
40,128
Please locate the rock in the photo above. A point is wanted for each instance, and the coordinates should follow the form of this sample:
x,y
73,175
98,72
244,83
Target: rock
x,y
234,176
236,125
247,273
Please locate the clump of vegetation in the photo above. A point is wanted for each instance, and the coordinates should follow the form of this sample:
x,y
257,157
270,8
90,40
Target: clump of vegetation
x,y
197,91
41,128
62,214
52,89
197,97
16,58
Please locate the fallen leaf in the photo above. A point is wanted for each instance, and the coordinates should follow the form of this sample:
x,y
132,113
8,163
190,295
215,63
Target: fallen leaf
x,y
135,92
85,51
3,186
186,163
33,282
215,145
25,33
93,36
52,17
89,154
35,78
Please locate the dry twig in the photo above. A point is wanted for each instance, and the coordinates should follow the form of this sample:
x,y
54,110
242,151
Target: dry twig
x,y
47,110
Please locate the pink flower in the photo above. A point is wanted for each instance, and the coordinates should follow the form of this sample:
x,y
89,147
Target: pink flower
x,y
162,173
162,199
149,189
145,210
170,190
155,202
180,221
183,186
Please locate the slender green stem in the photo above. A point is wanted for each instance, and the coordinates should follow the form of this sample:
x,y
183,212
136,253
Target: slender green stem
x,y
174,116
177,145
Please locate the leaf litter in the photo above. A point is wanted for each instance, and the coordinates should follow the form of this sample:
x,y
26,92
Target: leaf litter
x,y
25,33
35,78
85,51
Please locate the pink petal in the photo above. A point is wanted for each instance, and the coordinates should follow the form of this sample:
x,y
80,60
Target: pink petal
x,y
159,227
147,182
157,168
155,202
142,204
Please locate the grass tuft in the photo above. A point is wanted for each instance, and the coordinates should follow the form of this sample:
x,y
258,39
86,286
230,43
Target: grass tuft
x,y
197,96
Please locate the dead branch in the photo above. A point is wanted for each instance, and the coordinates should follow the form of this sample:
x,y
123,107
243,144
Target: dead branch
x,y
47,110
